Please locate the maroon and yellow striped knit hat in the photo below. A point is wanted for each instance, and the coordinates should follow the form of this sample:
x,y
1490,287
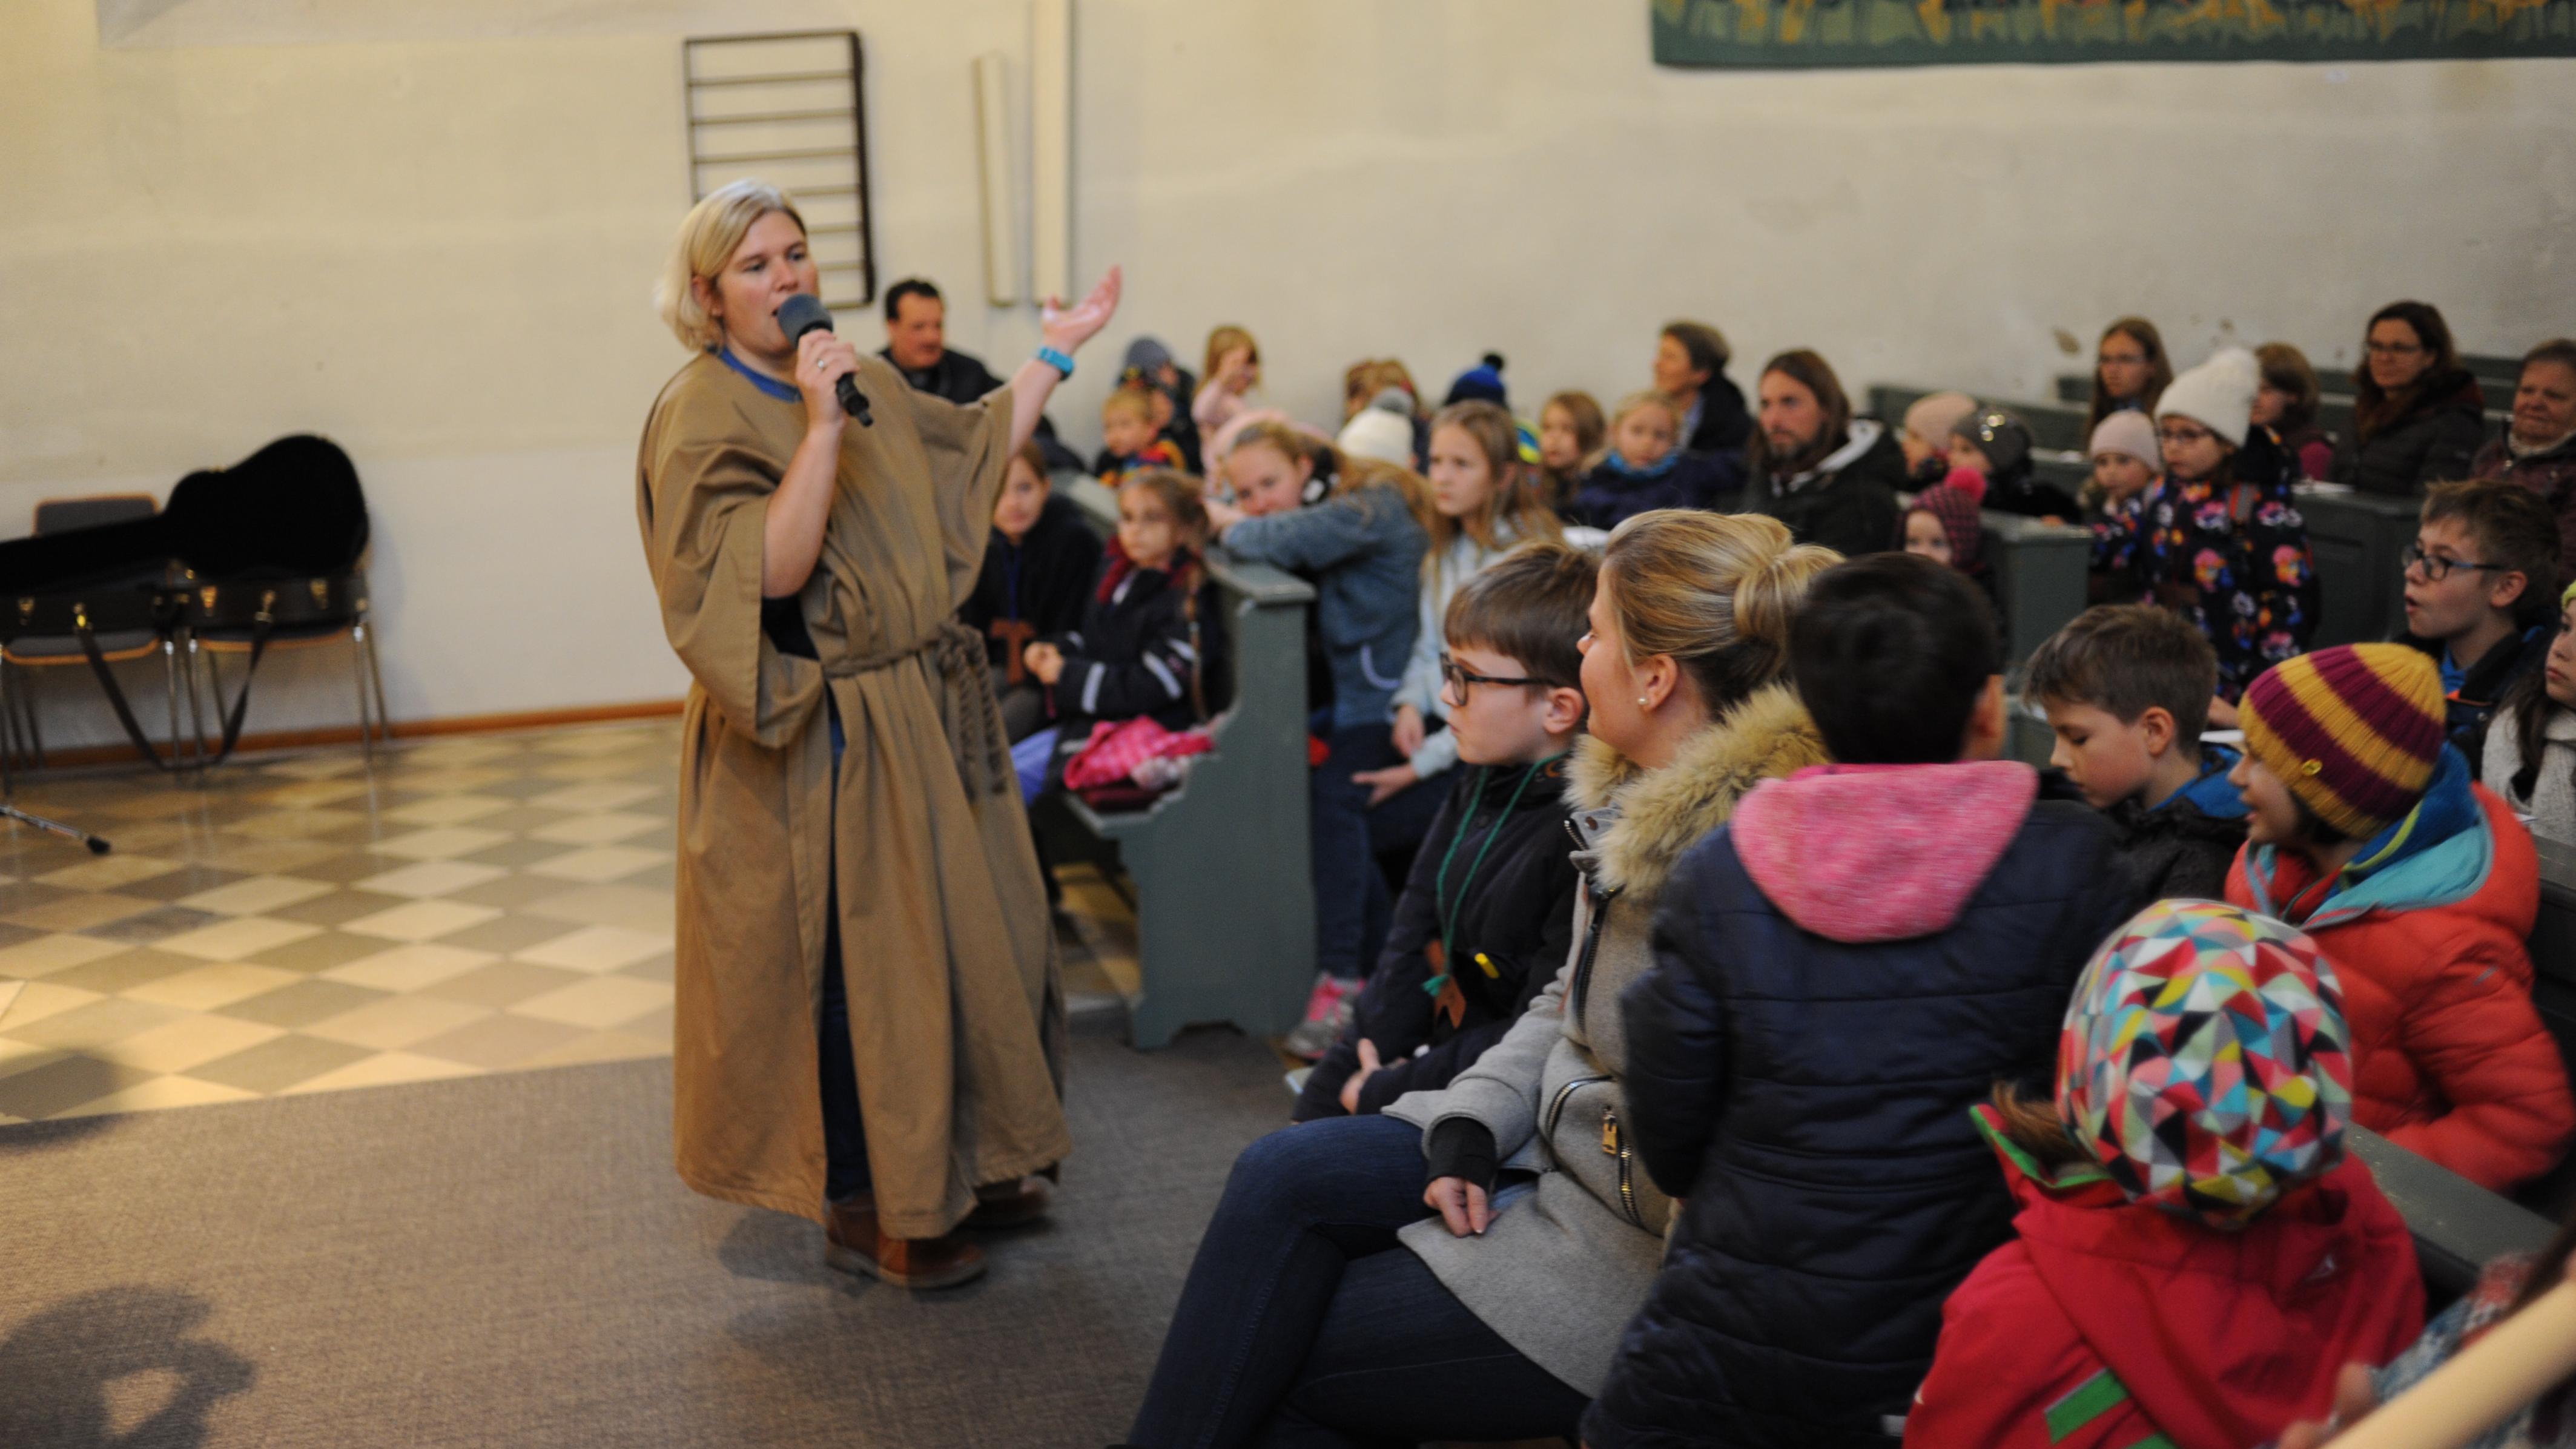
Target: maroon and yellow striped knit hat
x,y
2354,731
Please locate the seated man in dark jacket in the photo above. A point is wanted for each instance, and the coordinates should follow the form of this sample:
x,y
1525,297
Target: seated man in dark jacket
x,y
1828,475
1487,916
916,323
1842,971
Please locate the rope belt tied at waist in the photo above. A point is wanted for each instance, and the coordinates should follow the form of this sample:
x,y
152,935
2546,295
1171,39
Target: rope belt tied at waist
x,y
969,713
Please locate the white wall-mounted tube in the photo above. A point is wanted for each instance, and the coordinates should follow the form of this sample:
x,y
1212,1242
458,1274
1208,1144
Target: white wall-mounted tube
x,y
1051,146
993,150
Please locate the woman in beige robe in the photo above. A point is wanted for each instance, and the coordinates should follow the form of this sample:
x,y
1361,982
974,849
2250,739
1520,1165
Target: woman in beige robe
x,y
913,856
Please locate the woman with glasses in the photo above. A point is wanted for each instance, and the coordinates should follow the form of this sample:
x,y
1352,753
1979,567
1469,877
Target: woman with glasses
x,y
2130,370
2418,416
2226,546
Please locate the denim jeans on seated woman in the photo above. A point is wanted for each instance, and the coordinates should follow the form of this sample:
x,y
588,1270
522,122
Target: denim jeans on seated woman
x,y
1306,1325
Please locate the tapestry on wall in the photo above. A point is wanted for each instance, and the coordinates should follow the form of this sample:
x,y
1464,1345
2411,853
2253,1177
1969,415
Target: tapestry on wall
x,y
1772,34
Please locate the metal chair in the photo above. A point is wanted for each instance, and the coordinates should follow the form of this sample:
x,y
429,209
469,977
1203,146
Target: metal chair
x,y
247,618
24,656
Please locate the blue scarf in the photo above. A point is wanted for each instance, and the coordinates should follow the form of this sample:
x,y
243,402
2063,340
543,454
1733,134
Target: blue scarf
x,y
1618,463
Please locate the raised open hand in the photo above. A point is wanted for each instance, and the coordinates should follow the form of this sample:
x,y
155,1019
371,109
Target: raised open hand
x,y
1067,328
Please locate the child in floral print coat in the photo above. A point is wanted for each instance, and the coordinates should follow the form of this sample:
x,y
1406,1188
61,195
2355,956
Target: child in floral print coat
x,y
2225,545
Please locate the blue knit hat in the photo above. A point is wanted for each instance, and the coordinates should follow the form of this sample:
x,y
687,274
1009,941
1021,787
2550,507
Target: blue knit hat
x,y
1481,383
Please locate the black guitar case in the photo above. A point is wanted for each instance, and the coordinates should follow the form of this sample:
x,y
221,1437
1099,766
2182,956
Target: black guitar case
x,y
274,539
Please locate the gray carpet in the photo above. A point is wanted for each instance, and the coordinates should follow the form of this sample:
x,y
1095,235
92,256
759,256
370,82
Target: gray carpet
x,y
510,1261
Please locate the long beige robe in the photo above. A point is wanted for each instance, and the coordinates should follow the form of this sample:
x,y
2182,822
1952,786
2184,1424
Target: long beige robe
x,y
956,1005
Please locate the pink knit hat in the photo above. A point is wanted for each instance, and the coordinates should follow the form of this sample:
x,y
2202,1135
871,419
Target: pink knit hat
x,y
2129,433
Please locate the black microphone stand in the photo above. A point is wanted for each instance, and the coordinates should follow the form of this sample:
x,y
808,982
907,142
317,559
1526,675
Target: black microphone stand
x,y
97,845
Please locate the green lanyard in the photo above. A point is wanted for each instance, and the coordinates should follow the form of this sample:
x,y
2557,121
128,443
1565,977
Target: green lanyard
x,y
1440,882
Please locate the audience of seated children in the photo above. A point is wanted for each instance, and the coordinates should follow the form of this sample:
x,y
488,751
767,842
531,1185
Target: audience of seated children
x,y
1830,476
2531,745
2194,1258
2364,829
1130,441
1038,569
2130,370
2126,462
1487,913
1151,631
1995,445
2225,546
1231,371
2418,417
1840,974
2127,689
1925,435
1334,1296
1645,468
2480,579
1570,429
2285,405
1361,544
1484,502
2506,1287
1690,368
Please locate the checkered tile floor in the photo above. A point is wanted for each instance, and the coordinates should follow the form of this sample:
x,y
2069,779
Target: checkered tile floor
x,y
309,923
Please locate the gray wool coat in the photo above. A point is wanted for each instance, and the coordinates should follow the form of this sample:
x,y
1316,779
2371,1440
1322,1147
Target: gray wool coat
x,y
1568,1258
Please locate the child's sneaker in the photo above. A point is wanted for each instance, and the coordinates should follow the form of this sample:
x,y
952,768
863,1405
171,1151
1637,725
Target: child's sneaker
x,y
1328,1010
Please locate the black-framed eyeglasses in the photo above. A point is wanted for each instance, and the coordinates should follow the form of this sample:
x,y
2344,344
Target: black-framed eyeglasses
x,y
1457,678
2437,568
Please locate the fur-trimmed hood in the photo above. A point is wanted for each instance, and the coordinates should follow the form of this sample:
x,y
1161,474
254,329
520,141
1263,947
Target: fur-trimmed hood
x,y
1649,818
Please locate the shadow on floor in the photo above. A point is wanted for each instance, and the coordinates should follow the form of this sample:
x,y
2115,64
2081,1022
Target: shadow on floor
x,y
71,1373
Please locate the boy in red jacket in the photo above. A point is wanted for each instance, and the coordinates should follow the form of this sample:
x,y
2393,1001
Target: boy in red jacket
x,y
2195,1260
2364,829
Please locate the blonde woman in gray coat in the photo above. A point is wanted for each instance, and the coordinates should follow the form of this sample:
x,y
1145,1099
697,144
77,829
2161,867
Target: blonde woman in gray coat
x,y
1335,1293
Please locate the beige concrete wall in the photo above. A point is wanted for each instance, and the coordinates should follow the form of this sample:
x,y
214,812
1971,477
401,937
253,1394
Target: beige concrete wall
x,y
431,232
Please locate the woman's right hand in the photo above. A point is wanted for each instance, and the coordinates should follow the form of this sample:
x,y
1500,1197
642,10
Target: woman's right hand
x,y
822,360
1409,730
1461,1204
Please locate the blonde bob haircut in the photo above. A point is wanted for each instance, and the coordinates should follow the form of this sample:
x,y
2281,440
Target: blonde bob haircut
x,y
708,236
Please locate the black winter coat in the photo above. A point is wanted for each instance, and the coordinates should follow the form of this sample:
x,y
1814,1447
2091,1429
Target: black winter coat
x,y
1516,911
2472,706
1851,510
1036,588
1724,425
1146,647
1810,1100
2435,440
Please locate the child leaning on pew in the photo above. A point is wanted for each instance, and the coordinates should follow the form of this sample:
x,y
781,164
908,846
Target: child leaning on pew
x,y
2127,689
2195,1259
1487,915
2364,829
1151,623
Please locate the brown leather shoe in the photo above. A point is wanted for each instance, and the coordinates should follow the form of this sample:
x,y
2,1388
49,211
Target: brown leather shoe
x,y
1009,1204
853,1244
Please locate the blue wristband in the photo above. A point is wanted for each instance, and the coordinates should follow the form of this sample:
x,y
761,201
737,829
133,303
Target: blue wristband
x,y
1060,361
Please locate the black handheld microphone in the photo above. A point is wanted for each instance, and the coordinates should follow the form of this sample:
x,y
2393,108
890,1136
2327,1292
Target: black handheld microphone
x,y
803,313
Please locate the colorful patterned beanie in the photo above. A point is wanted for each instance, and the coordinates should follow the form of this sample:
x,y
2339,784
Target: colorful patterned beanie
x,y
2204,1063
2354,731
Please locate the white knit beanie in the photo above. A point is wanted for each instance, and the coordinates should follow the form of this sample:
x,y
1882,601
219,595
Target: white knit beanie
x,y
1380,432
2218,394
2130,434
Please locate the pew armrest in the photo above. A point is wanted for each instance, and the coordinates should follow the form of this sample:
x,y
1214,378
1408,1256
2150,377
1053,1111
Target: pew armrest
x,y
2458,1225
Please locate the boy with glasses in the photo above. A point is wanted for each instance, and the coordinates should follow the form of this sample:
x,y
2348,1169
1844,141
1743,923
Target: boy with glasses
x,y
2480,577
2226,547
1487,915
